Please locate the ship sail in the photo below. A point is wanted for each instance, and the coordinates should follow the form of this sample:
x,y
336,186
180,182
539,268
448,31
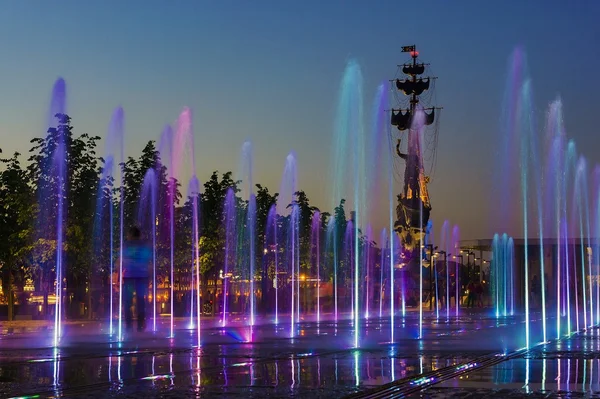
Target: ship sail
x,y
403,121
410,87
410,69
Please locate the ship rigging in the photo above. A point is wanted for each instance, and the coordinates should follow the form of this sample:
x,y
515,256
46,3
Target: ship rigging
x,y
417,122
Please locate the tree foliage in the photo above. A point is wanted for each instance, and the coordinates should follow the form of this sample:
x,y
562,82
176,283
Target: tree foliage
x,y
93,197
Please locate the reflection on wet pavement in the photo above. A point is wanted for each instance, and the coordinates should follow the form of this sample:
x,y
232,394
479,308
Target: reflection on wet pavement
x,y
238,362
568,368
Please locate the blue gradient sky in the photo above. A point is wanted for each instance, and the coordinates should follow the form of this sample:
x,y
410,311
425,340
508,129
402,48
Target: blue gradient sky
x,y
270,71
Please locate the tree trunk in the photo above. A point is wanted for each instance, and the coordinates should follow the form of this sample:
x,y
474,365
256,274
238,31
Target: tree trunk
x,y
214,306
11,296
89,296
45,303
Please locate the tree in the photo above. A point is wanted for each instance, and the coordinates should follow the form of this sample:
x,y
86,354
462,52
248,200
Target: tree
x,y
264,202
339,232
213,198
326,250
212,233
79,187
83,181
66,167
134,171
16,211
306,215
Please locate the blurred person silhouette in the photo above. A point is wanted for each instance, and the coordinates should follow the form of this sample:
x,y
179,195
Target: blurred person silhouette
x,y
137,255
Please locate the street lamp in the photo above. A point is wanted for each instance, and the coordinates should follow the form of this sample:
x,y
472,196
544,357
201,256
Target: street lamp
x,y
457,280
447,281
469,253
431,249
481,263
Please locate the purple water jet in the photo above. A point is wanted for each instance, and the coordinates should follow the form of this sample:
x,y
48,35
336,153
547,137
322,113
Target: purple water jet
x,y
247,165
148,199
456,252
166,147
230,214
315,241
287,206
194,190
116,136
56,189
272,250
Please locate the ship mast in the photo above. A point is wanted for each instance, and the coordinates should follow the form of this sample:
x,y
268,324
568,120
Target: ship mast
x,y
414,206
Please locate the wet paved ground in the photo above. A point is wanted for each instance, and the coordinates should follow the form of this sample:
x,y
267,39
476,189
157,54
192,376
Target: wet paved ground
x,y
318,362
566,369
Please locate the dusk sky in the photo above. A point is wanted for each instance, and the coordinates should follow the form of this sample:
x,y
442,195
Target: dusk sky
x,y
270,71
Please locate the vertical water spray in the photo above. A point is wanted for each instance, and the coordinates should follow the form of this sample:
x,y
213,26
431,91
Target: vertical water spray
x,y
384,245
455,242
316,239
567,300
293,234
502,274
148,199
508,167
230,246
536,165
421,275
251,223
182,144
558,192
588,248
494,275
437,297
287,205
367,267
579,192
445,244
296,253
433,275
349,261
575,286
172,200
105,194
509,276
378,138
112,260
332,242
60,159
193,275
391,201
507,282
59,186
554,166
274,248
595,250
154,223
349,168
116,134
246,175
194,191
166,148
524,115
568,169
105,198
121,240
358,169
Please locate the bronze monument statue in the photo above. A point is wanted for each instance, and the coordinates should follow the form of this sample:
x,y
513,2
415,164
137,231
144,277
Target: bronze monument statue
x,y
414,207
